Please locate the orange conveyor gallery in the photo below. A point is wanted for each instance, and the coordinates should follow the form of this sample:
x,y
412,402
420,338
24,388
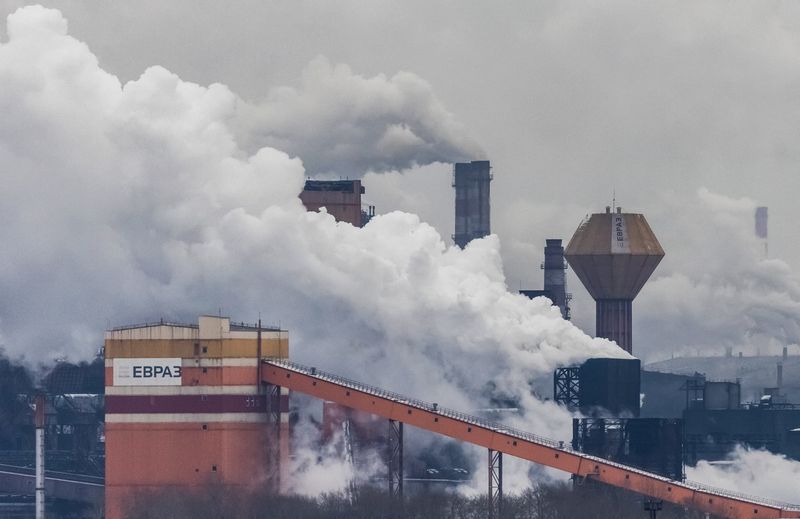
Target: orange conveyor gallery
x,y
516,443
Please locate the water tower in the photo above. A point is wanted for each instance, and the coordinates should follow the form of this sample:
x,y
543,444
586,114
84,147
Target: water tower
x,y
613,254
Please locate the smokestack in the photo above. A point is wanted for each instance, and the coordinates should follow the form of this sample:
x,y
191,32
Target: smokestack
x,y
39,417
613,254
762,217
471,181
555,282
780,375
785,352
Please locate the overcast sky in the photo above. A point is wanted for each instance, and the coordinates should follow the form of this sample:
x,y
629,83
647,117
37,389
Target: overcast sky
x,y
688,111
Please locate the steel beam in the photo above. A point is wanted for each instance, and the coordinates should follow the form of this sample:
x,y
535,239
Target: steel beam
x,y
495,484
274,450
653,506
566,387
395,461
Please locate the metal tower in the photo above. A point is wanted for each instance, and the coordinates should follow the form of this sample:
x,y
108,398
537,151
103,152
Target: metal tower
x,y
613,254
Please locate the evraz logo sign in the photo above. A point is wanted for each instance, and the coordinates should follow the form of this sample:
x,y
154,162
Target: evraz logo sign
x,y
147,372
619,235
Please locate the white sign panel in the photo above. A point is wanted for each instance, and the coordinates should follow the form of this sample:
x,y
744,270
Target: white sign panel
x,y
619,235
147,372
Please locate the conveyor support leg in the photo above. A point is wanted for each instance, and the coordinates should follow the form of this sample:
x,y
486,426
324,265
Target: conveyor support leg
x,y
395,458
495,484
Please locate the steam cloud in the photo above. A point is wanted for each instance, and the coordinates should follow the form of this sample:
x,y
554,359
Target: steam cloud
x,y
343,123
721,290
125,202
753,472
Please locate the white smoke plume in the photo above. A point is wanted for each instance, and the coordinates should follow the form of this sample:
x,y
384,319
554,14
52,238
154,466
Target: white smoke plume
x,y
319,467
719,291
752,472
345,124
123,203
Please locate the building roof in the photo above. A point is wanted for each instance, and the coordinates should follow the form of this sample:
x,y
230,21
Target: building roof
x,y
344,186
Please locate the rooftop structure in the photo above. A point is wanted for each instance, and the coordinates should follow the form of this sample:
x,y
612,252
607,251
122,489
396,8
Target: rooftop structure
x,y
471,181
341,198
613,254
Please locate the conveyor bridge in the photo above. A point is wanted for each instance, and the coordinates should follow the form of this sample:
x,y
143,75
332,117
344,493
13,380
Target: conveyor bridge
x,y
501,439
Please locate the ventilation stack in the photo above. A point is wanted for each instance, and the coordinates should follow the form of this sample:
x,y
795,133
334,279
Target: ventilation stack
x,y
762,227
471,181
613,254
555,279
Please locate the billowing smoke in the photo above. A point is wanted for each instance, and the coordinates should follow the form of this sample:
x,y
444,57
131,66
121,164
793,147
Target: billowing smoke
x,y
719,291
345,124
752,472
123,203
322,467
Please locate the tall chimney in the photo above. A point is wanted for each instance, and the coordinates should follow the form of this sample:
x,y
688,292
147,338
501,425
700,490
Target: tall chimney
x,y
555,282
613,254
762,227
780,375
39,418
471,182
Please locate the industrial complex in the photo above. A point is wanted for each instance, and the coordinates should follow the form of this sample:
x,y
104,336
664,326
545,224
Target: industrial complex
x,y
182,405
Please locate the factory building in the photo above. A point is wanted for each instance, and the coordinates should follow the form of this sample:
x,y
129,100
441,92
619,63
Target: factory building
x,y
471,181
185,407
341,198
600,387
555,280
613,254
717,420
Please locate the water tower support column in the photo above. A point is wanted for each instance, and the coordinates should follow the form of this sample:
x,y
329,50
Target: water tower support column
x,y
615,321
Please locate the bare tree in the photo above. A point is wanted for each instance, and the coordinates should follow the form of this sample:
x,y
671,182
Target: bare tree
x,y
551,501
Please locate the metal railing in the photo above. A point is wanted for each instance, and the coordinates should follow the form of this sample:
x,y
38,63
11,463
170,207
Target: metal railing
x,y
516,433
153,325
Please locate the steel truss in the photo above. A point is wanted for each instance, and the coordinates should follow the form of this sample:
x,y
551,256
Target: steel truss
x,y
274,448
495,484
566,387
395,461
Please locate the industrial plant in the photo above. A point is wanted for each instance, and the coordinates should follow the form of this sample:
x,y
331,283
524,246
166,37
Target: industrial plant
x,y
183,405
